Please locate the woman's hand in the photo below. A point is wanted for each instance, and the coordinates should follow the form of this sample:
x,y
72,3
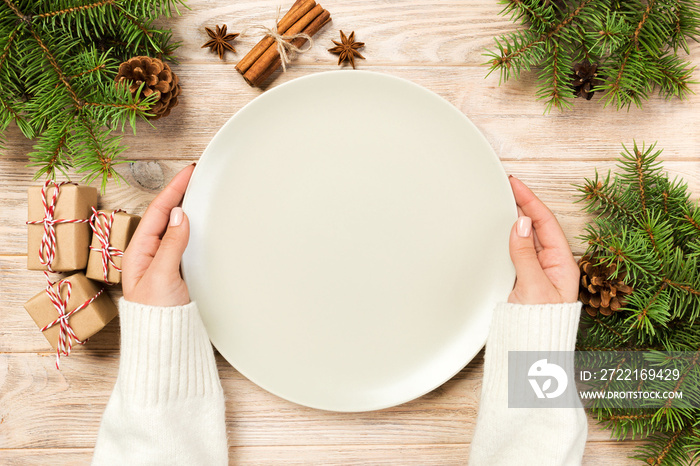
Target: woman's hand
x,y
151,263
546,271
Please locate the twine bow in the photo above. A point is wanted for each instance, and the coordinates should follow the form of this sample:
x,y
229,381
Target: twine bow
x,y
47,250
102,231
284,45
66,335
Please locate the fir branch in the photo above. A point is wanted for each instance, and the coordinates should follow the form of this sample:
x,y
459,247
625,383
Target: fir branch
x,y
631,46
537,14
660,458
522,49
94,69
686,371
686,23
555,89
605,325
674,77
602,197
655,244
14,8
50,153
6,49
682,286
98,152
58,61
627,417
693,219
74,9
54,64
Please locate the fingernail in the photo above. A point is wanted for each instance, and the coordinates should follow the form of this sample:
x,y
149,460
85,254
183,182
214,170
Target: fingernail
x,y
510,176
523,227
176,216
194,164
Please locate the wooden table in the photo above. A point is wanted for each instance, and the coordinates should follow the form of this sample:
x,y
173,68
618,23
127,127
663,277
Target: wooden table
x,y
51,416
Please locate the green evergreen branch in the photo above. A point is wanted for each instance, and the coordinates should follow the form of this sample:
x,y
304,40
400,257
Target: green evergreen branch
x,y
633,45
647,229
693,222
75,9
50,153
602,196
98,151
6,49
54,64
669,449
674,76
94,69
58,61
555,88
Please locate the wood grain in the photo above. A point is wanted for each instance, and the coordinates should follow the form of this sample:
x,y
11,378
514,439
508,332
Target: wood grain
x,y
556,189
509,116
447,415
437,44
596,454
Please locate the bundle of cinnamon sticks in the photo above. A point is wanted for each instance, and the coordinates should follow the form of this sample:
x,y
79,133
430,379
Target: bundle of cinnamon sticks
x,y
306,17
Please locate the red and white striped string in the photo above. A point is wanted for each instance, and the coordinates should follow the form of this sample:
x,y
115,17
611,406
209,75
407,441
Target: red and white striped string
x,y
66,335
102,229
47,250
47,254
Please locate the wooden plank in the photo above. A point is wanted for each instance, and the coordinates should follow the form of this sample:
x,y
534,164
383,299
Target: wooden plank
x,y
36,400
553,182
451,454
46,456
437,44
505,115
396,32
443,454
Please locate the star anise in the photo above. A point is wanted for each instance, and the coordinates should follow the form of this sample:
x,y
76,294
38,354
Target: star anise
x,y
219,41
346,49
585,79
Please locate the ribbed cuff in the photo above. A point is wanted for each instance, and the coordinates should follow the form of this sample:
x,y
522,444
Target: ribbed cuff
x,y
535,327
165,353
527,327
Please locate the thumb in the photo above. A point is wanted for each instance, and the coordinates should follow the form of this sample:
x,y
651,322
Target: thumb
x,y
522,252
173,244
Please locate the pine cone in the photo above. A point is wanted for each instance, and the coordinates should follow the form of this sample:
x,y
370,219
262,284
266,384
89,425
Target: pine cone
x,y
585,78
597,291
157,76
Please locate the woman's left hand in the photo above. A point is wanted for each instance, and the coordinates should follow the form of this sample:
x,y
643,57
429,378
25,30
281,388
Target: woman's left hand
x,y
151,263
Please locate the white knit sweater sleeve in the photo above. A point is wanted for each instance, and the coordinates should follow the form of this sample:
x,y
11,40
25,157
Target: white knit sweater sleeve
x,y
519,436
167,406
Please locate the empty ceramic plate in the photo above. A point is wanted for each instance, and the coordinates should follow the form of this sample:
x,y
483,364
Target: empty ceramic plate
x,y
349,240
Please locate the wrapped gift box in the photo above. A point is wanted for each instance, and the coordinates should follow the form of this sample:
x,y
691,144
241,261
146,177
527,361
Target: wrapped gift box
x,y
119,235
85,322
74,202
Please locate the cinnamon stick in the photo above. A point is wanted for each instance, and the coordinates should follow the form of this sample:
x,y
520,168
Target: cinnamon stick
x,y
262,63
315,26
295,13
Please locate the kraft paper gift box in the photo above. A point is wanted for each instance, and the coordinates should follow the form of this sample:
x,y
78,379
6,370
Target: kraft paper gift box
x,y
119,236
72,239
85,322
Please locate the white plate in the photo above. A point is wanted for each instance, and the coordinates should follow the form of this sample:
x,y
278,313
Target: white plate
x,y
349,240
